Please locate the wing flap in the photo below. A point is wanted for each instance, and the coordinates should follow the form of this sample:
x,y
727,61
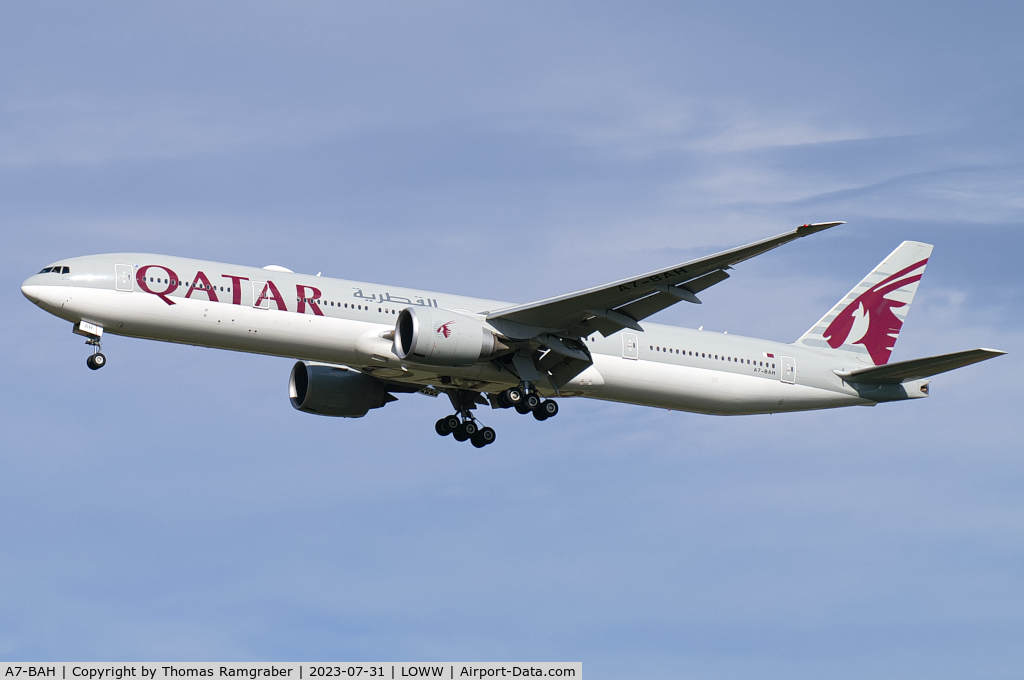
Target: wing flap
x,y
915,369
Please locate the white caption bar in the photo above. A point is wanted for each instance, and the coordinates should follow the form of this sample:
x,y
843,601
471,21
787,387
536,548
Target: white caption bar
x,y
285,671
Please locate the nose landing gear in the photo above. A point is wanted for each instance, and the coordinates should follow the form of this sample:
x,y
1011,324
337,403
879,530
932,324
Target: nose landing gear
x,y
93,336
96,361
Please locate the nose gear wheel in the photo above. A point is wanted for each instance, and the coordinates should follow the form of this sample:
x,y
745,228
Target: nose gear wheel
x,y
97,359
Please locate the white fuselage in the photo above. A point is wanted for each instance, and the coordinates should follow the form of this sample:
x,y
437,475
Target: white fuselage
x,y
335,321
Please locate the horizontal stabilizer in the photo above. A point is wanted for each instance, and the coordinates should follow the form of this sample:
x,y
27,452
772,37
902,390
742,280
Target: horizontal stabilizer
x,y
915,369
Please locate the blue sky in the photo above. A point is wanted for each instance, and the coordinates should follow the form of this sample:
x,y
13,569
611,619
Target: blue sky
x,y
173,506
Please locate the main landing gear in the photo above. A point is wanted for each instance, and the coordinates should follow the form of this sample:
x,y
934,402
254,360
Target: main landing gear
x,y
465,428
462,425
524,399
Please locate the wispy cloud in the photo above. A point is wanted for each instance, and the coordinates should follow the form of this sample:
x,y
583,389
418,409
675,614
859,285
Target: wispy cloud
x,y
76,130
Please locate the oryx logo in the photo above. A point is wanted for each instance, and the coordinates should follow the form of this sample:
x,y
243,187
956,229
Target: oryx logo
x,y
869,320
445,329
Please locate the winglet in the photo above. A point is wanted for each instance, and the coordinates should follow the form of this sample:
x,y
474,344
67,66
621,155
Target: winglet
x,y
808,229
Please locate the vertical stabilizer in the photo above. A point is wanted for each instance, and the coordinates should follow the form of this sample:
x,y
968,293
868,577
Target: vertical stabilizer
x,y
868,320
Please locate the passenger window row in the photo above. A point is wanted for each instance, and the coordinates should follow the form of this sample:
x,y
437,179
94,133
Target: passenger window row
x,y
332,303
706,355
186,284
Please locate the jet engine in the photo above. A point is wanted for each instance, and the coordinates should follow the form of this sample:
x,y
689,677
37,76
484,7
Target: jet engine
x,y
438,337
335,391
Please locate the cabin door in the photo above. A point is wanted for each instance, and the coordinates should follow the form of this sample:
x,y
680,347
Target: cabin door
x,y
630,347
123,279
788,370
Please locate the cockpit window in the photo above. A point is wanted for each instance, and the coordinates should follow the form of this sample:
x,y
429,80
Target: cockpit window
x,y
46,270
56,270
65,270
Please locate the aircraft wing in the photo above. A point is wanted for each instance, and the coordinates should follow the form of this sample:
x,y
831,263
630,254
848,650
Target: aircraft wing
x,y
622,304
915,369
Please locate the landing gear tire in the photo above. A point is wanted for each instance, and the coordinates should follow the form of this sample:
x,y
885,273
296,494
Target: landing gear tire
x,y
441,427
521,407
465,431
532,401
483,437
512,397
96,361
549,407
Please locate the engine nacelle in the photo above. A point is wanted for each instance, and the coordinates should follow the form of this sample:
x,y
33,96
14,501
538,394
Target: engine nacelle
x,y
428,335
335,391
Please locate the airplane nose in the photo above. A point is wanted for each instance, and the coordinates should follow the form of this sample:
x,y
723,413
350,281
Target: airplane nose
x,y
31,291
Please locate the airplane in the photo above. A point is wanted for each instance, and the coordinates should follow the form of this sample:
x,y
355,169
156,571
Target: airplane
x,y
359,344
